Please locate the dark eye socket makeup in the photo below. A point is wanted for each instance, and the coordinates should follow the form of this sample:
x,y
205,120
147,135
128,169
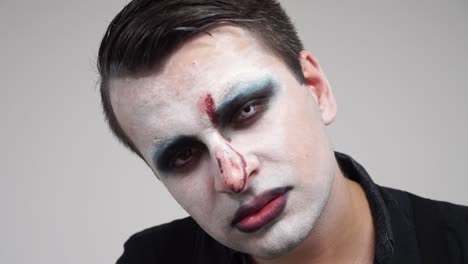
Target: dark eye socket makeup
x,y
167,153
178,153
243,95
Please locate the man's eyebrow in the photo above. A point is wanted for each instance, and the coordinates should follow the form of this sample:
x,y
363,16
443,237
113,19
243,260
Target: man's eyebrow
x,y
241,93
162,147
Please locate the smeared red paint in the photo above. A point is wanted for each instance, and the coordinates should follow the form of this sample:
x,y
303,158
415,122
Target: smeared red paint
x,y
210,108
244,169
220,165
232,167
244,164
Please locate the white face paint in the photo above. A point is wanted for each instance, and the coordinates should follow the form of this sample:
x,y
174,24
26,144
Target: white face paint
x,y
270,138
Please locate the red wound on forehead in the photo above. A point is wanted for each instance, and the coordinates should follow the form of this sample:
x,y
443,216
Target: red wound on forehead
x,y
210,108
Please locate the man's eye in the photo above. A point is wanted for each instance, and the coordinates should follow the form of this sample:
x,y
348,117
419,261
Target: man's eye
x,y
249,110
184,157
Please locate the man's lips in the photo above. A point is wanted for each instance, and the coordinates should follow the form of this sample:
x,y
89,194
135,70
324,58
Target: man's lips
x,y
258,212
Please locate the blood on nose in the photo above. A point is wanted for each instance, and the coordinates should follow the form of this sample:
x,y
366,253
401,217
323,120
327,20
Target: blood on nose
x,y
232,167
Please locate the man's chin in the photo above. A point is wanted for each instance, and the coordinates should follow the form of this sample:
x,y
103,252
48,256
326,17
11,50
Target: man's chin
x,y
278,241
275,251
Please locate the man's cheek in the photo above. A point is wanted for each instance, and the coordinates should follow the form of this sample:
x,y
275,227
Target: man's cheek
x,y
195,198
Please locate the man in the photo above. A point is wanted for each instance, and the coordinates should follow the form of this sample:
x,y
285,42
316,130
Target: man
x,y
222,102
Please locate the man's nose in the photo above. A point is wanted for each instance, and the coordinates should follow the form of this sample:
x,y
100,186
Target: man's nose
x,y
234,167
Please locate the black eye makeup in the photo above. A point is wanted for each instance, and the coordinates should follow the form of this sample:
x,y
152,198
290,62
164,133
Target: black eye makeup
x,y
246,103
178,154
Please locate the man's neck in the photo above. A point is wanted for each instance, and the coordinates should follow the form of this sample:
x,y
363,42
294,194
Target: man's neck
x,y
344,232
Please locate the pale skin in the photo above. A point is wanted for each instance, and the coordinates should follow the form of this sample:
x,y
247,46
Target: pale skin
x,y
271,141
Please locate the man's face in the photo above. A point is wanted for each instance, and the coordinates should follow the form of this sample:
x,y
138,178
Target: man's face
x,y
235,138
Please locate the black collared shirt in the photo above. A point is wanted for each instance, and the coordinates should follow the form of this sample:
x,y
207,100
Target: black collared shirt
x,y
408,228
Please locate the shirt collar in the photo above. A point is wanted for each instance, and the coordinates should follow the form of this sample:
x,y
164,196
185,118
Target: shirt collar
x,y
384,246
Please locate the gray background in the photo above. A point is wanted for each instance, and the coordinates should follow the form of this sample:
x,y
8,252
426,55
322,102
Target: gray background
x,y
71,194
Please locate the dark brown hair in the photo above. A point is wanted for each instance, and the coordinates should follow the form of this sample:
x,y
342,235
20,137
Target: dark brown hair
x,y
146,32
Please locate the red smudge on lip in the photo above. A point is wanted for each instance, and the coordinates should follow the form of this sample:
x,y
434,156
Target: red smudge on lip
x,y
260,214
210,108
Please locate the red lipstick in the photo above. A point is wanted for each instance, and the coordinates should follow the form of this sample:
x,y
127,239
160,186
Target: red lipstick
x,y
260,211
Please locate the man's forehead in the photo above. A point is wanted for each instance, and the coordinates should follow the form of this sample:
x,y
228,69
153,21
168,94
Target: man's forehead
x,y
210,61
217,40
158,93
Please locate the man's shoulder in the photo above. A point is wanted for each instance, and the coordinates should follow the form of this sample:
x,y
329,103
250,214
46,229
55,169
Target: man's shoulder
x,y
440,212
173,241
440,228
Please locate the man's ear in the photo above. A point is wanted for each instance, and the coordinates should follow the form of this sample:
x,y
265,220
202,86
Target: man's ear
x,y
318,85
